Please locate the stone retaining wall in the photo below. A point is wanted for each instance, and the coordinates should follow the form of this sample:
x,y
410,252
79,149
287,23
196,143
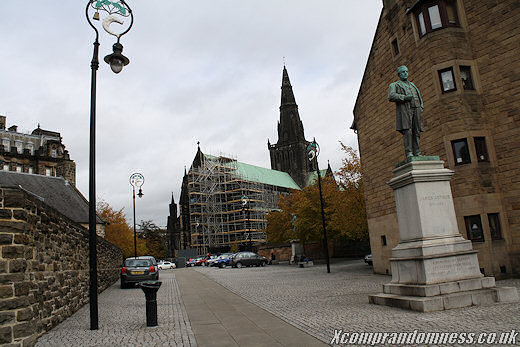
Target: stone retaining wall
x,y
44,267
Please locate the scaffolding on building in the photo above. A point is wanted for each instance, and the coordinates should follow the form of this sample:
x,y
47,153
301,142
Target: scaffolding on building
x,y
225,207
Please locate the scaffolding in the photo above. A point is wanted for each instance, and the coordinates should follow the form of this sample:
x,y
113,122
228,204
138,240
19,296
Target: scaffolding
x,y
225,207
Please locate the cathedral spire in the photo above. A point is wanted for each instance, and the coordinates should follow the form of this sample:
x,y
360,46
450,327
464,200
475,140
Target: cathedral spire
x,y
287,92
290,127
289,153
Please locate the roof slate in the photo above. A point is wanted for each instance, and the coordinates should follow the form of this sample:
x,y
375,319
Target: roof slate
x,y
55,192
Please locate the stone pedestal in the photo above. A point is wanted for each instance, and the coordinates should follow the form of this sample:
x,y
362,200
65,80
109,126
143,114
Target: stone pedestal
x,y
433,267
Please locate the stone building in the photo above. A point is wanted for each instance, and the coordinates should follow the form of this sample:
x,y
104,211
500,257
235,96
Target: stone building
x,y
464,56
289,154
40,152
173,229
224,201
227,201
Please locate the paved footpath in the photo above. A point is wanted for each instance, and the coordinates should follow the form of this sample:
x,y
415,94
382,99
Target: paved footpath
x,y
192,310
122,320
319,303
278,305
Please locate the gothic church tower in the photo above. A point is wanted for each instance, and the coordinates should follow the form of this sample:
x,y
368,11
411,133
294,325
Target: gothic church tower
x,y
289,154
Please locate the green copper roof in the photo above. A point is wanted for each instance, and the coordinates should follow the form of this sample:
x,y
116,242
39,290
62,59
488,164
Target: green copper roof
x,y
314,177
258,174
262,175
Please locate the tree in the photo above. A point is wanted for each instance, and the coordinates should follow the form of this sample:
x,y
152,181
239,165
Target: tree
x,y
344,207
117,230
154,239
350,208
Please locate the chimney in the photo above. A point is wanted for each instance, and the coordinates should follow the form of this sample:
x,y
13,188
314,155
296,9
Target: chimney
x,y
13,128
2,122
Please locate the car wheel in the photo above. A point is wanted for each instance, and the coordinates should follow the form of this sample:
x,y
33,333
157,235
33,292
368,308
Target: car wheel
x,y
123,284
262,264
239,265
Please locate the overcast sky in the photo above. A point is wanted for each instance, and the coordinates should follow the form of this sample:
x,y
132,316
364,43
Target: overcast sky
x,y
200,70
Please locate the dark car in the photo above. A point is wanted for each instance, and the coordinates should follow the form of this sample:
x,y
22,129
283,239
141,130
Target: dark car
x,y
368,259
242,259
136,270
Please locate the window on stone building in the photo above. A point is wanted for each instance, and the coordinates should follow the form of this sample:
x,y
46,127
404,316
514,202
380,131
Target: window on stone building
x,y
467,79
494,226
460,151
395,47
481,149
54,152
47,171
19,168
436,14
30,170
435,17
383,240
30,147
19,146
5,167
447,80
474,228
7,145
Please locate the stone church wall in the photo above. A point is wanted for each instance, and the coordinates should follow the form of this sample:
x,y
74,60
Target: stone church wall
x,y
487,41
44,267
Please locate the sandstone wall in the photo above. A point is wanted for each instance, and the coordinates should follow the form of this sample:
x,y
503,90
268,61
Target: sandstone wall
x,y
44,267
488,41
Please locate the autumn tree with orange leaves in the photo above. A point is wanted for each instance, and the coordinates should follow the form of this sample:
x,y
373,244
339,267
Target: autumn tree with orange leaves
x,y
117,230
299,216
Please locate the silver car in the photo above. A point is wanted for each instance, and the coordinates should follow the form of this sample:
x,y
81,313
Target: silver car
x,y
135,270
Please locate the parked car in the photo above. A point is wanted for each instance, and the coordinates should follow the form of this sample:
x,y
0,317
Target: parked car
x,y
191,262
147,257
135,270
242,259
368,259
211,260
222,260
201,261
164,264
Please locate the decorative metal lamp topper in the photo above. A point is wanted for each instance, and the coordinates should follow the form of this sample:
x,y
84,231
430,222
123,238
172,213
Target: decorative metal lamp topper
x,y
137,180
116,12
313,150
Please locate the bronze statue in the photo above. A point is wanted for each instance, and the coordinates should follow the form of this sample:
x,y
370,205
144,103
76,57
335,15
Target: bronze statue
x,y
409,107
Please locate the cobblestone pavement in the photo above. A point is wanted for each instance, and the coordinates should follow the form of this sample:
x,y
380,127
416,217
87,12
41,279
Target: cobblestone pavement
x,y
318,303
122,320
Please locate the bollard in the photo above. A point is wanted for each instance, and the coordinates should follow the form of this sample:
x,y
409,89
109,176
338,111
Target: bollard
x,y
150,289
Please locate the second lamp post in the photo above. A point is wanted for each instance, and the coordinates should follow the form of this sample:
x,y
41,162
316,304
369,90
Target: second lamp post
x,y
313,150
136,181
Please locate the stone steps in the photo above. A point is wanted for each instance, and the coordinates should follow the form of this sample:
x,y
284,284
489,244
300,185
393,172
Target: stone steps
x,y
453,300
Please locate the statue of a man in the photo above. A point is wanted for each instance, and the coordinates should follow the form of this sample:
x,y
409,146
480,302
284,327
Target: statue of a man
x,y
409,107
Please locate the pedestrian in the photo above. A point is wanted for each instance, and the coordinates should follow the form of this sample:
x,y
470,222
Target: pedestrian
x,y
272,258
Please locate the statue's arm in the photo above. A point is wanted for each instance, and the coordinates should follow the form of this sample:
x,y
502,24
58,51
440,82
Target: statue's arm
x,y
393,95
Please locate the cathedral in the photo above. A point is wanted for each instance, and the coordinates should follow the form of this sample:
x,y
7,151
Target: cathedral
x,y
223,201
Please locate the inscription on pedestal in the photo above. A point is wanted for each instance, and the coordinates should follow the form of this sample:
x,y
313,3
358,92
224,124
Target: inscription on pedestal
x,y
452,268
436,200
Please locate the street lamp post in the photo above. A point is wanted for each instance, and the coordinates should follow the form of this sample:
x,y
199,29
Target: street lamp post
x,y
245,203
116,11
136,181
313,151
